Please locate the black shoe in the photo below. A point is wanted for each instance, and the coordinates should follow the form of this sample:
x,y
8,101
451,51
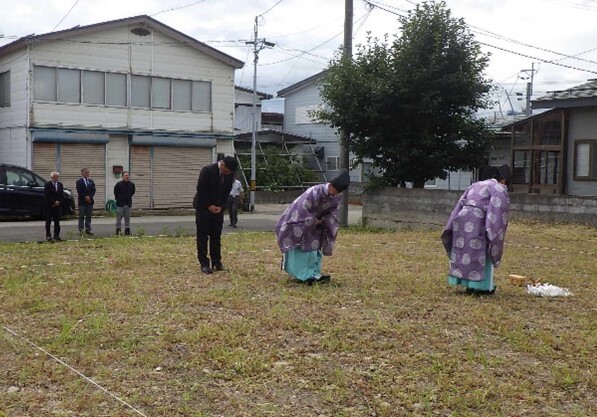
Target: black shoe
x,y
218,267
234,226
478,293
117,231
57,239
206,270
323,279
88,232
127,231
49,239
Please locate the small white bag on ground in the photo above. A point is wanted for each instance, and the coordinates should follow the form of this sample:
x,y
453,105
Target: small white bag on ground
x,y
547,290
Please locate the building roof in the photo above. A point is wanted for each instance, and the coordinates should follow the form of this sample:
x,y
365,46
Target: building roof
x,y
277,136
578,96
263,96
301,84
507,126
142,21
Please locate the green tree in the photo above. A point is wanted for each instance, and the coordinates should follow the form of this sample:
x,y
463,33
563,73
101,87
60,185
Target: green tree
x,y
409,105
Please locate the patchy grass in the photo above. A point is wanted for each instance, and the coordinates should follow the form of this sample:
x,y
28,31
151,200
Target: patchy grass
x,y
387,337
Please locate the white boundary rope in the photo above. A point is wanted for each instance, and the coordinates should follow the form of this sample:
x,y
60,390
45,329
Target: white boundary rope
x,y
74,370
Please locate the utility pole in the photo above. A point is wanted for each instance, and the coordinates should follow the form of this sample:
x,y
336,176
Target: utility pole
x,y
531,73
258,45
344,139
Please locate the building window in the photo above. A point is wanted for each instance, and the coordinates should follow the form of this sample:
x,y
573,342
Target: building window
x,y
546,167
522,167
431,183
93,87
110,89
5,89
44,83
140,91
69,85
116,89
332,163
201,96
585,160
160,93
548,130
181,94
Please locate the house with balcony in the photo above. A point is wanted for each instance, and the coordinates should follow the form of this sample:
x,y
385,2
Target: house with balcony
x,y
131,94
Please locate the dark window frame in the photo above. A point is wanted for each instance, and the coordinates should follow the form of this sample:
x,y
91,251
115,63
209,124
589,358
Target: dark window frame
x,y
592,161
5,89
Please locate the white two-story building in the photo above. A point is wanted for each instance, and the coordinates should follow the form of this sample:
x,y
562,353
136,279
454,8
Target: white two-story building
x,y
130,94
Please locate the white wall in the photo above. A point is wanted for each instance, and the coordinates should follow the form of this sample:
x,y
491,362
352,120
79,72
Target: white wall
x,y
117,153
13,119
13,147
582,126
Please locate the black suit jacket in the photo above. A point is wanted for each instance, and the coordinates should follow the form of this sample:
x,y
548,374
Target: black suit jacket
x,y
52,195
211,189
85,190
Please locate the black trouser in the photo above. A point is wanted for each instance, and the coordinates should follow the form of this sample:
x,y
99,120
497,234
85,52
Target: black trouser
x,y
53,215
209,227
233,209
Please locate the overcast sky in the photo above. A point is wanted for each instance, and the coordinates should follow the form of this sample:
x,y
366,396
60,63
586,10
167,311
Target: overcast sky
x,y
558,37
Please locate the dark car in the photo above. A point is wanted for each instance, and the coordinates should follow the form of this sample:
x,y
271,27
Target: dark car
x,y
22,193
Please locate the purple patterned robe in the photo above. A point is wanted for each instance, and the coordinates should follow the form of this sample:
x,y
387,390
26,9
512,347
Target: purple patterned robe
x,y
296,227
476,229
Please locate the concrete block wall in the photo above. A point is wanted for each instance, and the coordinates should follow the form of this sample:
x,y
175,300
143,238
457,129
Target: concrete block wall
x,y
399,208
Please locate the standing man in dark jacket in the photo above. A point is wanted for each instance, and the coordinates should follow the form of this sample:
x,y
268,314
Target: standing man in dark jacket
x,y
85,192
54,195
123,192
213,188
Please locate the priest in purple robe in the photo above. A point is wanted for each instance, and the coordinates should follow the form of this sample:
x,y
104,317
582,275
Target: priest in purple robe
x,y
307,229
474,234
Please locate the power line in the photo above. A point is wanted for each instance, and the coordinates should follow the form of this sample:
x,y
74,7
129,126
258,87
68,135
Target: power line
x,y
270,9
177,8
514,52
67,13
538,59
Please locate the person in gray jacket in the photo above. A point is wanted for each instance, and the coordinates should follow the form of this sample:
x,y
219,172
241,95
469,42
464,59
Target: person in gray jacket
x,y
123,192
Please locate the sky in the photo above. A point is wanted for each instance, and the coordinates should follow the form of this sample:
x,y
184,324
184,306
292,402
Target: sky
x,y
555,38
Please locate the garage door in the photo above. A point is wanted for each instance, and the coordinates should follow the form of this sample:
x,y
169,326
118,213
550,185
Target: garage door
x,y
68,159
166,177
44,159
73,157
175,173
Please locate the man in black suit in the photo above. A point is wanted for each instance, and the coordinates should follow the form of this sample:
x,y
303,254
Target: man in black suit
x,y
54,194
213,187
85,192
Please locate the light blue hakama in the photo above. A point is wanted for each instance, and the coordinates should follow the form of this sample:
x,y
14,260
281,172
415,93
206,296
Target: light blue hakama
x,y
485,285
302,265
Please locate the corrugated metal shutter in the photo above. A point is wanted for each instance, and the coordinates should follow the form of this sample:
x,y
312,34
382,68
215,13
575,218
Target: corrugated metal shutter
x,y
44,159
175,172
73,157
140,171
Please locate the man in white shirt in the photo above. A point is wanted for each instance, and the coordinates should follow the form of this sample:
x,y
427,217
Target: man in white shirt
x,y
233,200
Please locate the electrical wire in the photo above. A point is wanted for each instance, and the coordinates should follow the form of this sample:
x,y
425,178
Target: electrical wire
x,y
178,8
270,9
67,13
553,62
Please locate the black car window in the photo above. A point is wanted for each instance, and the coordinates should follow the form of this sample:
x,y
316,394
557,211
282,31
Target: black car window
x,y
19,177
